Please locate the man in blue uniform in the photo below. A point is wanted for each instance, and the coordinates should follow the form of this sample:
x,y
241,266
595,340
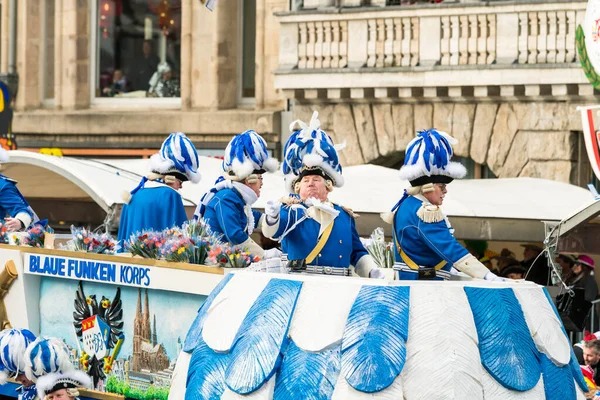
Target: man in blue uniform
x,y
423,238
318,236
227,207
15,210
156,203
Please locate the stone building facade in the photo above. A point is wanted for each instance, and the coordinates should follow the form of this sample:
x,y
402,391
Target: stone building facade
x,y
502,77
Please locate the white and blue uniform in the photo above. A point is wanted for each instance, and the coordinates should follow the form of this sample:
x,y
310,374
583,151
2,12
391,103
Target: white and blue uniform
x,y
13,204
299,233
227,216
426,244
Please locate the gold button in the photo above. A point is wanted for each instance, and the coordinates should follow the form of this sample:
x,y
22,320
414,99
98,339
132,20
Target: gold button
x,y
319,254
340,256
340,242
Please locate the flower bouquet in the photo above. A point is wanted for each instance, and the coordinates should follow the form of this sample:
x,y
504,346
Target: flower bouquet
x,y
36,236
89,242
3,233
146,244
381,251
196,228
231,257
185,249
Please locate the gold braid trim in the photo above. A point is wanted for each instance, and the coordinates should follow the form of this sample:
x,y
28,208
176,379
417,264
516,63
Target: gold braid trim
x,y
350,211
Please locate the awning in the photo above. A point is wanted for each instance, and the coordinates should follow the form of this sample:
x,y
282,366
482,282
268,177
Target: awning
x,y
492,209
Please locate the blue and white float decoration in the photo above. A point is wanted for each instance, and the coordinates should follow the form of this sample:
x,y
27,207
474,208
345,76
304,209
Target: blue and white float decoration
x,y
268,336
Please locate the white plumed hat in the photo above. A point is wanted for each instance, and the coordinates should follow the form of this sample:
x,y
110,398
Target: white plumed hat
x,y
247,154
177,156
310,151
427,159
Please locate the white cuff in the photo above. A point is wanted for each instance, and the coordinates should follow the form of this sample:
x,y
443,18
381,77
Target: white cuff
x,y
252,247
364,266
25,218
472,267
269,227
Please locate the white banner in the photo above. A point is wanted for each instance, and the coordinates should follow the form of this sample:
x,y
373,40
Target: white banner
x,y
591,137
120,273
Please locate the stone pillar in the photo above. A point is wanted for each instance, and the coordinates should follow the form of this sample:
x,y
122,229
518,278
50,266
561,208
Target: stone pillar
x,y
429,41
357,43
507,38
214,55
267,96
187,23
226,54
74,41
4,37
260,59
29,27
58,61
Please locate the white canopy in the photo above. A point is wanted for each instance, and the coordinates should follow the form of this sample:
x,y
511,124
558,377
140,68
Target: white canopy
x,y
369,190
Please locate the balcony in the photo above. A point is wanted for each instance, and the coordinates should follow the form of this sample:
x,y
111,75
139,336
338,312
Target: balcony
x,y
450,51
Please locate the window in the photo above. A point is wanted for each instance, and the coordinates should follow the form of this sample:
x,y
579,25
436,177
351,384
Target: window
x,y
47,68
248,48
138,48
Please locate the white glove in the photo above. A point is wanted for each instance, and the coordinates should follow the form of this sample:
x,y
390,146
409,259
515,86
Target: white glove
x,y
272,209
272,253
376,273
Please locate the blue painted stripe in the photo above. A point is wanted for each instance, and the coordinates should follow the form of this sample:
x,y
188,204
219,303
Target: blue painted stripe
x,y
573,364
507,350
307,375
558,381
195,332
374,342
206,373
256,351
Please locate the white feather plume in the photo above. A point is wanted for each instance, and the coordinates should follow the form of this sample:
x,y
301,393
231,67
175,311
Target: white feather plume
x,y
318,324
180,374
271,165
545,328
343,391
230,307
492,390
3,377
442,354
264,393
38,366
4,156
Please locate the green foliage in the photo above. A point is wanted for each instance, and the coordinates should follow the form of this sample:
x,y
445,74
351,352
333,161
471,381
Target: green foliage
x,y
584,59
114,385
111,384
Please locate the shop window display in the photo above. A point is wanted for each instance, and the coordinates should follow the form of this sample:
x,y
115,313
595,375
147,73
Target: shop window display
x,y
138,48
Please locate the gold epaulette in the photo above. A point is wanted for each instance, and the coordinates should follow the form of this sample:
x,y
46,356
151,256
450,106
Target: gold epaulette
x,y
349,211
290,200
430,214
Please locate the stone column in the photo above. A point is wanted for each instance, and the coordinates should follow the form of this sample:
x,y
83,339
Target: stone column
x,y
74,40
261,31
429,41
58,61
187,23
4,37
29,26
226,54
266,94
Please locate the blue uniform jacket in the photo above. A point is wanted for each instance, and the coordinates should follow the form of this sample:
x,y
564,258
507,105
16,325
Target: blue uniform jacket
x,y
225,215
343,248
155,208
12,201
427,244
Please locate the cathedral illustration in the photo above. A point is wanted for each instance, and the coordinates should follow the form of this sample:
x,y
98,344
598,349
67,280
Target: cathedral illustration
x,y
147,353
